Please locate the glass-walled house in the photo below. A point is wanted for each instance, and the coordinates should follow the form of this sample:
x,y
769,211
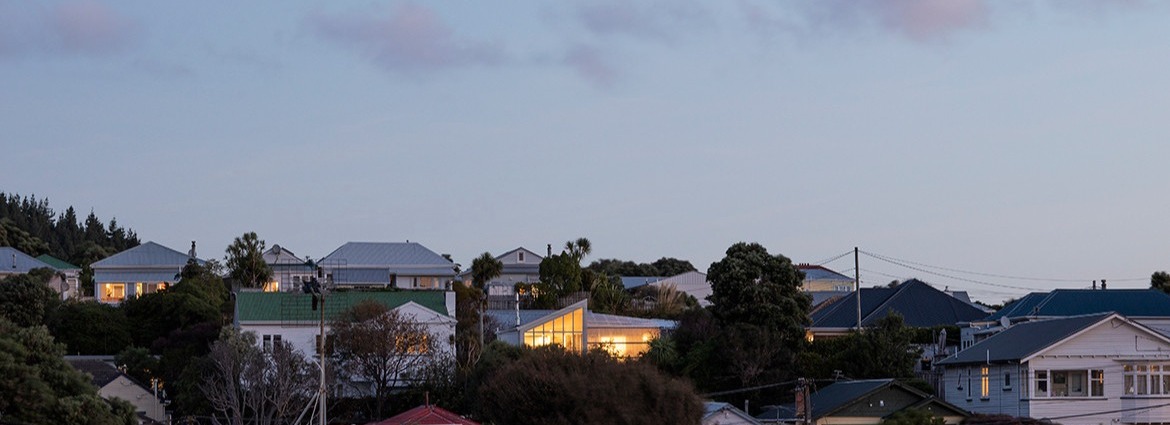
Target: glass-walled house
x,y
576,328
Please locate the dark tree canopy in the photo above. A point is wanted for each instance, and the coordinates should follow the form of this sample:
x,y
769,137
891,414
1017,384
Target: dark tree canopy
x,y
884,350
661,267
90,328
560,275
749,285
26,299
485,268
551,386
1160,280
245,261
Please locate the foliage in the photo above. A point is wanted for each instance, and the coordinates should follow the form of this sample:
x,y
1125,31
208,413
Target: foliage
x,y
978,419
245,261
883,350
578,249
913,417
1160,280
40,387
560,275
380,346
549,385
138,363
247,384
662,267
90,327
751,286
485,268
469,303
607,295
26,299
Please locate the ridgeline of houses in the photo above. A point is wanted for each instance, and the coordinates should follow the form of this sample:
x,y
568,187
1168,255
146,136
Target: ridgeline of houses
x,y
1072,356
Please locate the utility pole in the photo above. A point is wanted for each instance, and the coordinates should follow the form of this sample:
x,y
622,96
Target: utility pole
x,y
321,393
857,285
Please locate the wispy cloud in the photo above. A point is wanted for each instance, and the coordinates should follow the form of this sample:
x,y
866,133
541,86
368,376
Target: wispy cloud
x,y
591,65
85,27
411,40
917,20
661,21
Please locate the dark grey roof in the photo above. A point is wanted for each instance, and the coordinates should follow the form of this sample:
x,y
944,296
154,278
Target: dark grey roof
x,y
631,282
149,254
919,304
783,413
1022,340
404,258
819,297
1075,302
102,373
840,394
12,260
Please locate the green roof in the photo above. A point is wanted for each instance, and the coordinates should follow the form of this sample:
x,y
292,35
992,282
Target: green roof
x,y
297,307
57,263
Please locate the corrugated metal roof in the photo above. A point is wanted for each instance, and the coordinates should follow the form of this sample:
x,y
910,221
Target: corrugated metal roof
x,y
1075,302
292,306
148,254
401,255
12,260
919,304
56,263
507,319
102,373
1024,339
840,394
631,282
132,276
425,415
813,272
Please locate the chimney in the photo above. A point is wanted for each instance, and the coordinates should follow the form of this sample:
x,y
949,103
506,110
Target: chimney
x,y
192,252
1094,285
549,251
1102,284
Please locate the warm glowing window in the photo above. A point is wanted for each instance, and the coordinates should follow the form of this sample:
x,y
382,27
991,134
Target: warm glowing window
x,y
564,330
615,345
984,383
622,342
138,289
272,286
1146,379
113,291
1069,383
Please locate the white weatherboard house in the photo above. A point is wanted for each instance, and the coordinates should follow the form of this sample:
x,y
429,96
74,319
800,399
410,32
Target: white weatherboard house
x,y
519,265
405,265
1092,369
289,316
144,269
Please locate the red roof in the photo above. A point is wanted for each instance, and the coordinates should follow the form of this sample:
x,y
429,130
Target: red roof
x,y
425,415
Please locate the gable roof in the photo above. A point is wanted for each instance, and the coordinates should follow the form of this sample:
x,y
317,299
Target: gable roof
x,y
149,254
1075,302
426,415
12,260
100,372
919,304
712,408
279,255
841,394
631,282
397,257
57,263
296,307
817,272
1022,340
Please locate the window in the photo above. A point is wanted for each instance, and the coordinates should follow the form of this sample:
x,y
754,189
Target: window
x,y
1145,379
520,257
984,383
113,292
271,341
565,331
1069,383
968,383
1007,380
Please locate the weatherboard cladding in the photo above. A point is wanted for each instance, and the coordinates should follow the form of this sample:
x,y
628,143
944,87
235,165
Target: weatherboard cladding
x,y
1022,340
12,260
1074,302
821,273
275,306
919,304
131,276
146,255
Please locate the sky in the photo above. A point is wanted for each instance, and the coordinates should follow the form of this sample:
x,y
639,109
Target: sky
x,y
968,143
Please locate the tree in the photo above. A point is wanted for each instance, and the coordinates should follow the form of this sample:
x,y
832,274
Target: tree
x,y
749,285
247,384
560,275
913,417
469,343
245,261
884,350
1160,280
672,266
549,385
40,387
25,299
375,344
578,249
485,268
90,328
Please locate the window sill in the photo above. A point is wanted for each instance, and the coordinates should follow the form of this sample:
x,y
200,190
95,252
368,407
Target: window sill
x,y
1007,389
1068,398
985,399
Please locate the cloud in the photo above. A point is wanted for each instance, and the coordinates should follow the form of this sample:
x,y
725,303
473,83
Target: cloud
x,y
71,28
662,21
917,20
590,65
411,40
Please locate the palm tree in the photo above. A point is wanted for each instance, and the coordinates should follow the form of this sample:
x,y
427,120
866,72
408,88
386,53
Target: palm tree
x,y
579,249
485,268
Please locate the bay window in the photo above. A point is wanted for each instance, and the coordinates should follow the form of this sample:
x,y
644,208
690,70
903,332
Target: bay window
x,y
1068,383
1143,379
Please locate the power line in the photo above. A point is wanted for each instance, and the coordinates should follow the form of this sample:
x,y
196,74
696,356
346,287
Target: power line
x,y
980,282
1002,276
832,259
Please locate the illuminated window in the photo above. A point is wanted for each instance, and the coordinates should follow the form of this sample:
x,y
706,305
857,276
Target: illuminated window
x,y
272,286
564,330
1145,379
113,292
984,383
1069,383
138,289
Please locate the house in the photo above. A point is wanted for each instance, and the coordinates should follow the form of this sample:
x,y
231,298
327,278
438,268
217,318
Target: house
x,y
719,413
919,304
15,262
1150,307
291,317
862,402
112,383
520,265
70,286
576,328
140,270
406,265
821,279
288,270
426,415
1089,369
